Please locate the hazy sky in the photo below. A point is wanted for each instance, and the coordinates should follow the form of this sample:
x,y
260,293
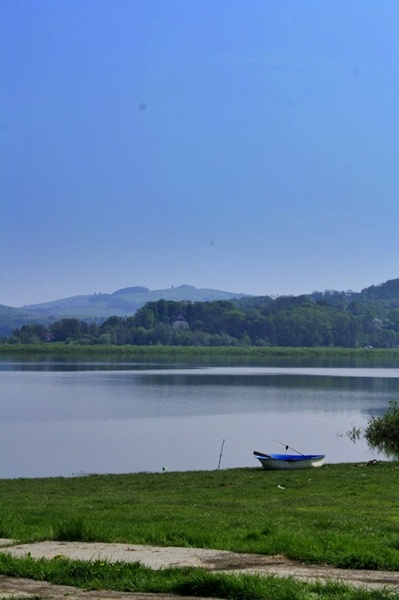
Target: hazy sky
x,y
244,145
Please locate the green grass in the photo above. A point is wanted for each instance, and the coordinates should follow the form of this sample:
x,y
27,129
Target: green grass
x,y
73,348
123,577
343,515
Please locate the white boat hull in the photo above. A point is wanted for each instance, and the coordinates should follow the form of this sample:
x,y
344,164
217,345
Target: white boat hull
x,y
289,462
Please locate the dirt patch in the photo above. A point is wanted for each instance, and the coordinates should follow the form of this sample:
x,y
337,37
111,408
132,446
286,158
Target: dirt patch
x,y
159,558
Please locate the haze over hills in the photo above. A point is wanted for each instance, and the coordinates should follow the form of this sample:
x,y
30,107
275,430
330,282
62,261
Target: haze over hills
x,y
126,301
98,307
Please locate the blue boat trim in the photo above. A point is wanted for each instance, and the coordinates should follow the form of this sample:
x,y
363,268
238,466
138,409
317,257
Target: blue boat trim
x,y
290,457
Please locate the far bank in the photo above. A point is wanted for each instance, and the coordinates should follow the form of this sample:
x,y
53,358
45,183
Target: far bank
x,y
64,348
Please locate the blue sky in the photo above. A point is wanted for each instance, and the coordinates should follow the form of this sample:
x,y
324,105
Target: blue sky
x,y
243,145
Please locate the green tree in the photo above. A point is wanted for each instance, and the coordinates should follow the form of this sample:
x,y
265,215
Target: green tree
x,y
30,334
145,317
234,323
68,329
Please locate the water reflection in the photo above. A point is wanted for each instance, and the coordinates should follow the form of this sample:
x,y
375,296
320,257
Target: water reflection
x,y
387,449
119,362
322,380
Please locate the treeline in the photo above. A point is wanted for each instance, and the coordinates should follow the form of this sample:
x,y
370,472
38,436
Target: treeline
x,y
328,319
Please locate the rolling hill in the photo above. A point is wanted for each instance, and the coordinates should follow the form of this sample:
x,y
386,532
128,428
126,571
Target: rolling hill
x,y
381,300
98,307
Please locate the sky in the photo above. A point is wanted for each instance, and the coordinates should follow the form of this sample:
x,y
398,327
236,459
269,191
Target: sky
x,y
242,145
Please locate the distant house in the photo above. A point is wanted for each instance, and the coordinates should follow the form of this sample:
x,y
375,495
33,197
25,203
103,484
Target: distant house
x,y
180,322
48,337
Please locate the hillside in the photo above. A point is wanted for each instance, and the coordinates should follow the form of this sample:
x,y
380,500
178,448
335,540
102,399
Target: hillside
x,y
139,316
10,318
98,307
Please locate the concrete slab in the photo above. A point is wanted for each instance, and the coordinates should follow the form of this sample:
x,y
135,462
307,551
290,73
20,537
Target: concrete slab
x,y
213,560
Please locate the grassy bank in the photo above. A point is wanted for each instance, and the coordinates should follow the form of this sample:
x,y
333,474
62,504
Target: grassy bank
x,y
73,349
345,515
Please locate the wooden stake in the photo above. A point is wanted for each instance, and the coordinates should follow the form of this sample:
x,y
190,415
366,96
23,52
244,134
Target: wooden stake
x,y
221,454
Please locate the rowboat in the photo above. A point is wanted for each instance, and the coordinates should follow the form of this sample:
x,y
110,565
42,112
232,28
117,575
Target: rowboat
x,y
289,461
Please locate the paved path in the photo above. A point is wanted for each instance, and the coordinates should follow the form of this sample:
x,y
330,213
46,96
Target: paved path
x,y
159,557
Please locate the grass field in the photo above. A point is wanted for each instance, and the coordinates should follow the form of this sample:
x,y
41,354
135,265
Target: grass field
x,y
344,515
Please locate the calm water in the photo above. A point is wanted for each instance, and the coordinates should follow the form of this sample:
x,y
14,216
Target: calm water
x,y
60,418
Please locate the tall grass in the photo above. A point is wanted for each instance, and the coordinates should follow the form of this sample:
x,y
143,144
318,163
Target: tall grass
x,y
73,529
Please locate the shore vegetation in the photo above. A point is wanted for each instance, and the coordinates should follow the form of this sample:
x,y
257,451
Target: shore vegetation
x,y
40,349
381,432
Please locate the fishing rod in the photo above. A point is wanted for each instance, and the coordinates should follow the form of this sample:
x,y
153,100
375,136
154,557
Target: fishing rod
x,y
288,447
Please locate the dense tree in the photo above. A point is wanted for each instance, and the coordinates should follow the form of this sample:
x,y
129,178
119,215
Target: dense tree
x,y
30,334
339,319
68,329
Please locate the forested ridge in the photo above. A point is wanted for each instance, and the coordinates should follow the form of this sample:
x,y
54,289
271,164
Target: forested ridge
x,y
329,318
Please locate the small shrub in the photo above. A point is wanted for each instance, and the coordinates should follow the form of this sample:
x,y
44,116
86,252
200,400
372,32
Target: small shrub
x,y
384,431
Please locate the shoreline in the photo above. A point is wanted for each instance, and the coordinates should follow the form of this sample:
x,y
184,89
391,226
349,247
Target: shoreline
x,y
62,348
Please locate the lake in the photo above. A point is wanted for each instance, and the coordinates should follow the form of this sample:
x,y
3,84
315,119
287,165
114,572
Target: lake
x,y
65,417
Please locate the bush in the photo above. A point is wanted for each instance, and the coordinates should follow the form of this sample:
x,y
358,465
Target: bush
x,y
384,431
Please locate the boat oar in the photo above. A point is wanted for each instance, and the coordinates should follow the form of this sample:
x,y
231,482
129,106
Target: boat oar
x,y
286,447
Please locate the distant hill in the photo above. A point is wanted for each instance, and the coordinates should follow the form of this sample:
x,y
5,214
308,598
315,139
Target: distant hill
x,y
126,301
98,307
11,318
387,292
